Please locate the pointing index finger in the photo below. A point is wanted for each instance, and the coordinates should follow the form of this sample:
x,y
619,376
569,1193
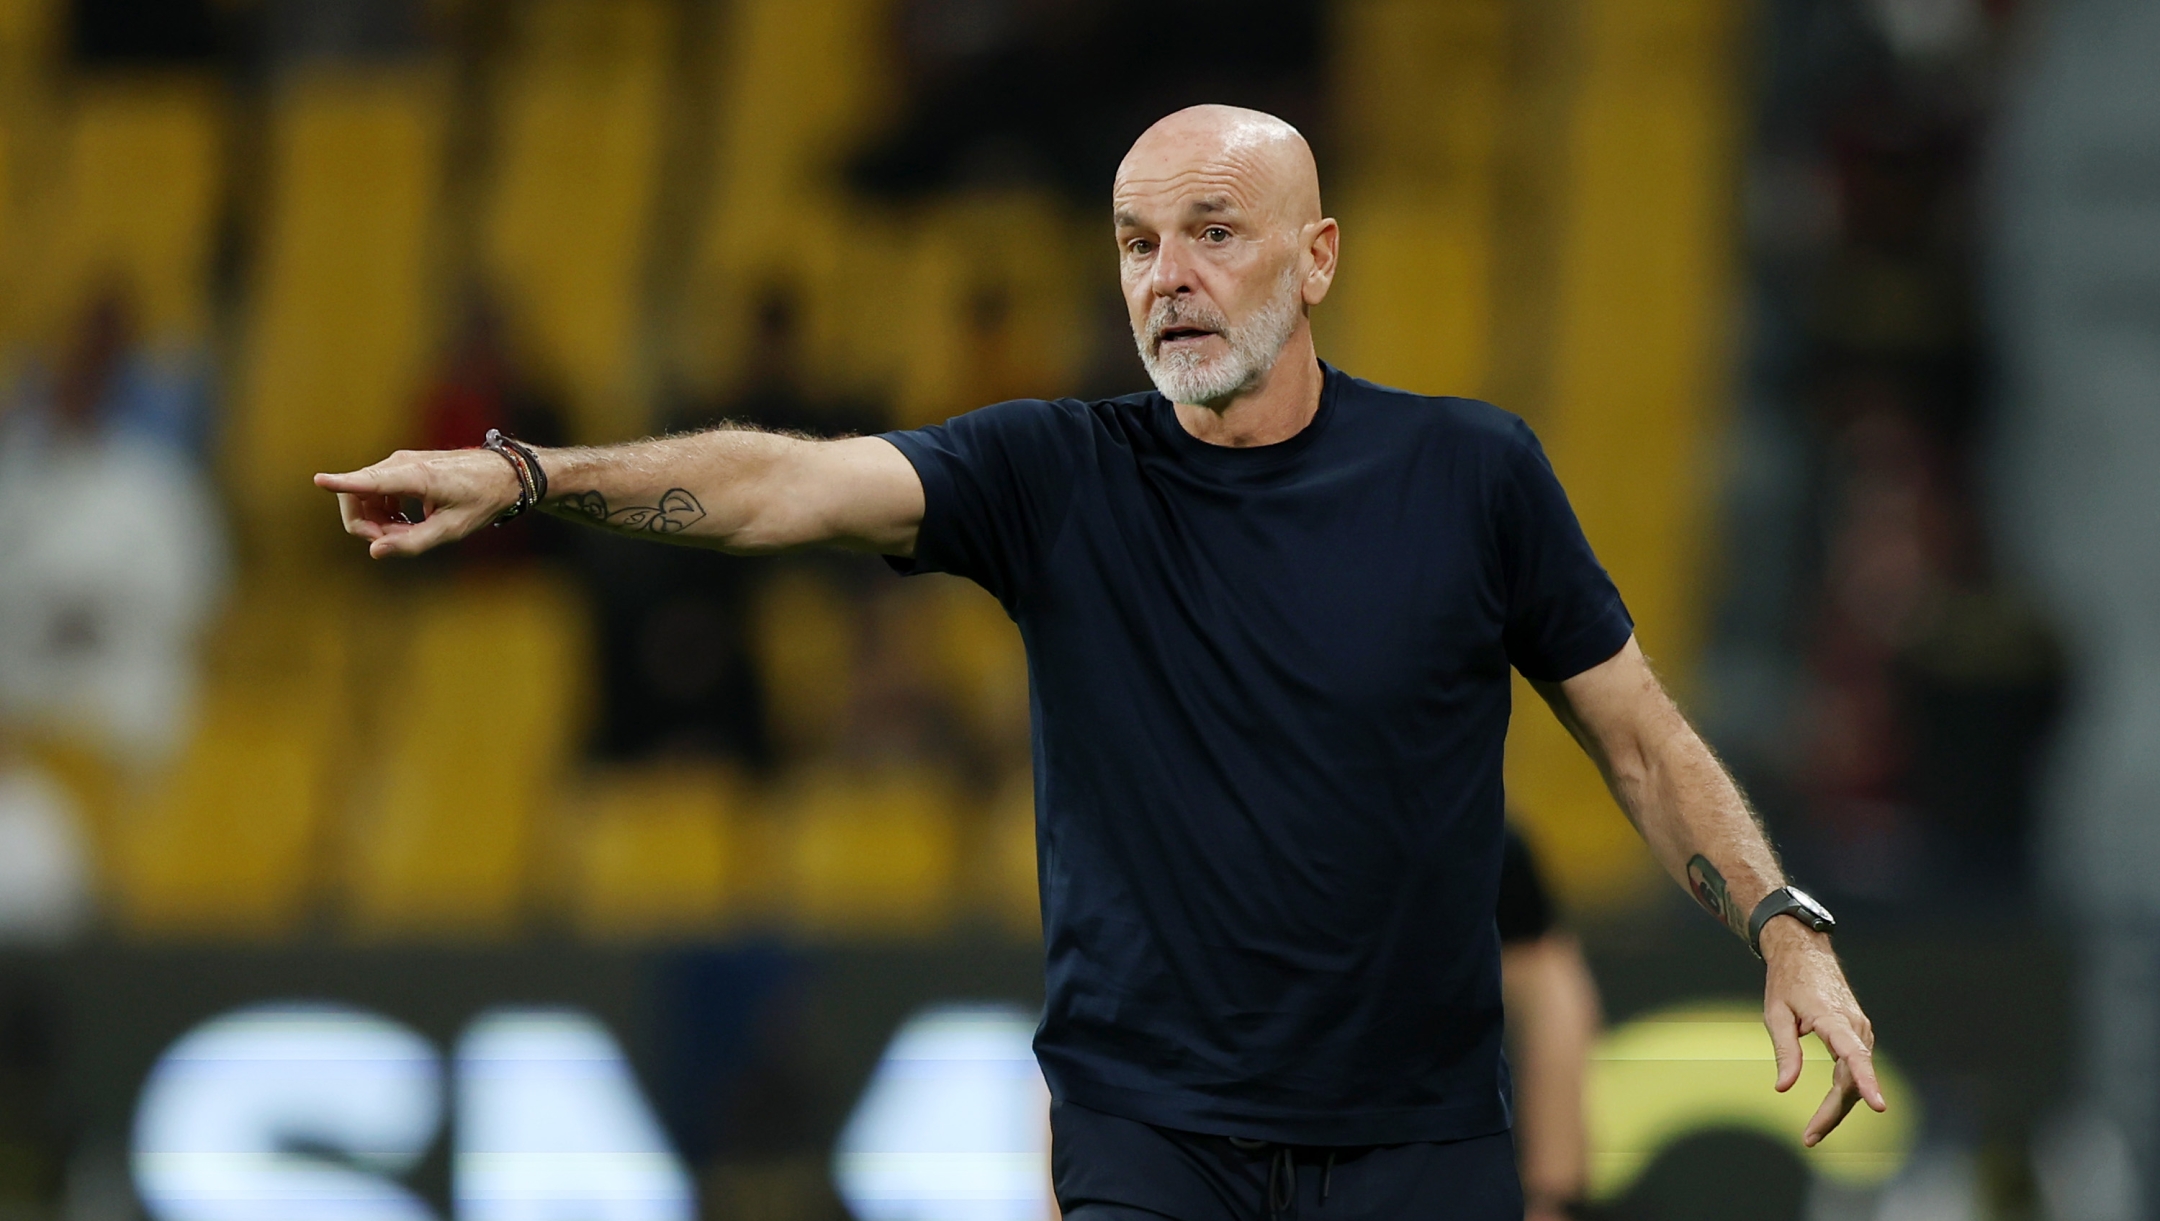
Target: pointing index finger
x,y
371,481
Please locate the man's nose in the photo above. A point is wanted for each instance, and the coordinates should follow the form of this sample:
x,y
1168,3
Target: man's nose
x,y
1172,272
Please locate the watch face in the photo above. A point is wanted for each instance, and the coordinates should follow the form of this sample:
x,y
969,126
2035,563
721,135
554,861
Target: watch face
x,y
1822,914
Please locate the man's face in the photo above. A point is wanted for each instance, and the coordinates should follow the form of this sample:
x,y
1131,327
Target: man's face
x,y
1212,276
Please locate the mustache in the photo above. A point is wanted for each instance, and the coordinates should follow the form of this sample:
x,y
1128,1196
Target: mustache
x,y
1170,311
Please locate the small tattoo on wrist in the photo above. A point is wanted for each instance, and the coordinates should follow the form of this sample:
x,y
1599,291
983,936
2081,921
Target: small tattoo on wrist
x,y
1708,887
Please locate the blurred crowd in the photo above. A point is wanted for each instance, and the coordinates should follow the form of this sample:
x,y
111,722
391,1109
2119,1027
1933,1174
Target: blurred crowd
x,y
1884,682
112,560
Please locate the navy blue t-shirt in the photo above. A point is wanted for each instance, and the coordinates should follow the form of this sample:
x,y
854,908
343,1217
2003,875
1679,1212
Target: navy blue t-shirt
x,y
1270,692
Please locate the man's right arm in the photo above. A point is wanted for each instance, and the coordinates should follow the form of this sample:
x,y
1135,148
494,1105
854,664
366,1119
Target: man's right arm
x,y
736,489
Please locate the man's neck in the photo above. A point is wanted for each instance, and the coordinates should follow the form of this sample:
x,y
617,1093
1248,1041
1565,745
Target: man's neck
x,y
1277,409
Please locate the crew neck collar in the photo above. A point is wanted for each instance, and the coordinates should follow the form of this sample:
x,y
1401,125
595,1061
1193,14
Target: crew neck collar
x,y
1253,457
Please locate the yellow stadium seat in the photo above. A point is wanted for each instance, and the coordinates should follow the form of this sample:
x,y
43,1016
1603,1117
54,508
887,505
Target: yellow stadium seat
x,y
798,83
804,632
658,852
227,846
984,663
331,364
230,843
141,163
1639,360
1009,884
24,25
22,37
996,302
565,227
26,38
870,855
478,722
1420,90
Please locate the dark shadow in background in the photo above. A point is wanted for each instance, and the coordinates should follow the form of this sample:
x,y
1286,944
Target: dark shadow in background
x,y
1053,92
143,33
1716,1175
35,1124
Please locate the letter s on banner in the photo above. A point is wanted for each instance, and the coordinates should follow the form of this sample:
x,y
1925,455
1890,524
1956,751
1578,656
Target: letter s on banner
x,y
238,1115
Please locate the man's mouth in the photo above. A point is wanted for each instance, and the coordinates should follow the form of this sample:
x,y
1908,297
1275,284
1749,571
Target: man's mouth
x,y
1181,334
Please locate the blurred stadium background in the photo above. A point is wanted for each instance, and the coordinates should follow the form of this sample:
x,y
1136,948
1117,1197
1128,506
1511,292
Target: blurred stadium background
x,y
1837,317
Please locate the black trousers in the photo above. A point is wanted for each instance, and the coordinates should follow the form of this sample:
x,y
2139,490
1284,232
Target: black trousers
x,y
1110,1169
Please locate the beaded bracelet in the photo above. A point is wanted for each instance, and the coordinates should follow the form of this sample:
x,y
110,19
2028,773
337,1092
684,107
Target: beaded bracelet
x,y
525,464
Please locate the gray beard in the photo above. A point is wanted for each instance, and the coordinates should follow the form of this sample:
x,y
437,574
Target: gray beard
x,y
1188,377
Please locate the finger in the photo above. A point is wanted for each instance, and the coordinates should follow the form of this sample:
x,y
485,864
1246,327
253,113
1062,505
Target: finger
x,y
401,539
351,513
1785,1038
1836,1105
365,516
1854,1056
377,480
392,539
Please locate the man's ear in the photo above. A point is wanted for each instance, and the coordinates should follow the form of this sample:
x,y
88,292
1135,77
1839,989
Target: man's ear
x,y
1322,241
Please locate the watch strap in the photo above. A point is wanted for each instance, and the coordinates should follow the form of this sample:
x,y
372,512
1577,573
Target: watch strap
x,y
1785,902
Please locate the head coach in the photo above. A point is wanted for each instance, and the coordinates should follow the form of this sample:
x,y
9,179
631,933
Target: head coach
x,y
1270,613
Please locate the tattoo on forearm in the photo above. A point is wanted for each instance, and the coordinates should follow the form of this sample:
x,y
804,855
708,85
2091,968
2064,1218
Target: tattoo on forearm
x,y
1708,887
677,511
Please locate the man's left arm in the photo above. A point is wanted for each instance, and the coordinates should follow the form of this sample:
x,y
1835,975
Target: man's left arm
x,y
1691,813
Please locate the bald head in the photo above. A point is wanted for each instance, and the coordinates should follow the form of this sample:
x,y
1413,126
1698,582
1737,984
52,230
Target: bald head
x,y
1222,249
1251,153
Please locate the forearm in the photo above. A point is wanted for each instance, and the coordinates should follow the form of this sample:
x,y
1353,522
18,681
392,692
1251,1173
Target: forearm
x,y
1697,823
1677,792
724,488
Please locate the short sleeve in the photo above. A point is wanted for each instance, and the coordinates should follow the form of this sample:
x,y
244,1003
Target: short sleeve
x,y
997,483
1563,613
1526,910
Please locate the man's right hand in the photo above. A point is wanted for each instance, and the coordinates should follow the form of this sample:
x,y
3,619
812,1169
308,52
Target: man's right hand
x,y
459,490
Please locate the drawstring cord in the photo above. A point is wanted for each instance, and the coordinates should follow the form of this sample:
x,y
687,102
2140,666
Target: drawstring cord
x,y
1282,1166
1282,1179
1282,1174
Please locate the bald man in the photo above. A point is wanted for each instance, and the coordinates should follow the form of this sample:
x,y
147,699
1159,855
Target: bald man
x,y
1270,612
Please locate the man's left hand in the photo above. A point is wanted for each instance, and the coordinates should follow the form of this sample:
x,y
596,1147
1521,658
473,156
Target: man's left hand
x,y
1805,993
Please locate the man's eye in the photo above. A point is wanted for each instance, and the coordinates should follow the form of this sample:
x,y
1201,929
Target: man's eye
x,y
1139,245
1216,233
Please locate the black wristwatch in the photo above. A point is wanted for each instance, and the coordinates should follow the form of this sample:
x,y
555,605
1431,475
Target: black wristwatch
x,y
1787,901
